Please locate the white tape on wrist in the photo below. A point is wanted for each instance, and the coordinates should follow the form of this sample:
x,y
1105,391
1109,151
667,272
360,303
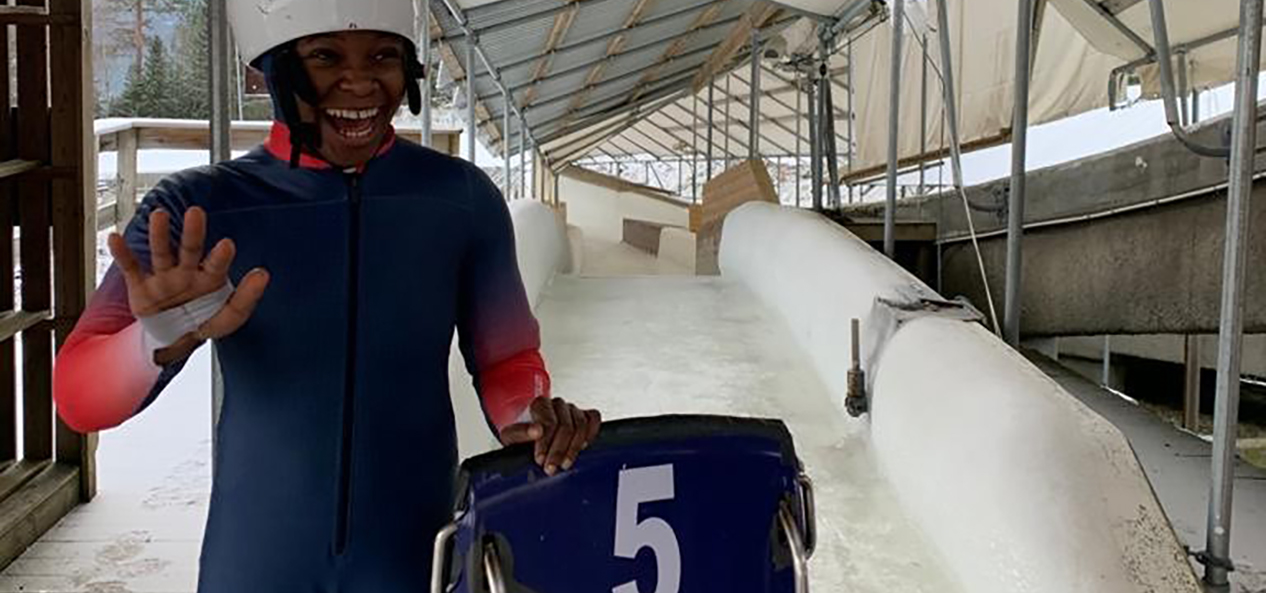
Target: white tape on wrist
x,y
166,328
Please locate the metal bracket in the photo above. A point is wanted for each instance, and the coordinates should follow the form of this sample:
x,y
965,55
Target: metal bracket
x,y
1203,557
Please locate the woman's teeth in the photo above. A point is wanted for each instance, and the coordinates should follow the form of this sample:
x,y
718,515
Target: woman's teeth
x,y
353,123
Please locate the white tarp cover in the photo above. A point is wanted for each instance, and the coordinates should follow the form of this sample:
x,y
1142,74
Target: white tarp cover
x,y
1070,76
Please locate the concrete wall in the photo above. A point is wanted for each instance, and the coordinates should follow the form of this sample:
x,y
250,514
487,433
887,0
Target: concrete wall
x,y
1127,242
541,244
600,210
1020,486
1167,348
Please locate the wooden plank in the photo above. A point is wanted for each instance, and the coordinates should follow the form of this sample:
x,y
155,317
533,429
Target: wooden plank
x,y
757,16
28,15
15,167
74,202
35,508
194,138
33,144
125,198
16,475
8,359
13,322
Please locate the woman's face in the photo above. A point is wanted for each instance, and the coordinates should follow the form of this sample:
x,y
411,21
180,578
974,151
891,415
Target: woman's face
x,y
359,81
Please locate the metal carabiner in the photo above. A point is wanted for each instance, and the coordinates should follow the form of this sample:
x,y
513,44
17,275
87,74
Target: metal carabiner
x,y
808,511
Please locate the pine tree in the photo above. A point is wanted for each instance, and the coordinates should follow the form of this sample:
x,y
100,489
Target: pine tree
x,y
150,91
192,67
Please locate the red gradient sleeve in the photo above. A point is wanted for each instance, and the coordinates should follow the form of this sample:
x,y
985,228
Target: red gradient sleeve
x,y
102,376
499,336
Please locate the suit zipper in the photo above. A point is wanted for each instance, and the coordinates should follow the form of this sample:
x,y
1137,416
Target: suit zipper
x,y
349,381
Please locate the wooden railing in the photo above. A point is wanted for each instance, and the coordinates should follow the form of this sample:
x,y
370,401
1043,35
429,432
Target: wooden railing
x,y
126,137
45,157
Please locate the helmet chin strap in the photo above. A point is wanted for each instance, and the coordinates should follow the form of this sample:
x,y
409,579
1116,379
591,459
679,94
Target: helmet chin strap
x,y
292,85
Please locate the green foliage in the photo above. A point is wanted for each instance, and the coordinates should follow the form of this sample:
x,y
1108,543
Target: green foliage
x,y
149,91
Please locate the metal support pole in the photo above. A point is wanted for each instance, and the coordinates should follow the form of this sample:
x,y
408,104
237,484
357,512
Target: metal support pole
x,y
1183,96
522,160
1195,106
727,122
1191,383
799,152
1231,329
427,82
506,184
1106,378
815,153
851,144
470,99
694,148
221,150
712,105
828,124
828,130
923,119
753,104
1019,145
894,115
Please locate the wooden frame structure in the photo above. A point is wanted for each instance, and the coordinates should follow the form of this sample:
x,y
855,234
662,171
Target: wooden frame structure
x,y
46,157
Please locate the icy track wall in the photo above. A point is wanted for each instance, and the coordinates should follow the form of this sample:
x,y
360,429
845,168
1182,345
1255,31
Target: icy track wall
x,y
541,246
1018,485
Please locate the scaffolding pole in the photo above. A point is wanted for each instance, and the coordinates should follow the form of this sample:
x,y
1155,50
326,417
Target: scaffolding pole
x,y
799,115
470,99
1231,328
506,184
815,152
712,104
753,105
1019,147
221,150
894,115
522,159
425,15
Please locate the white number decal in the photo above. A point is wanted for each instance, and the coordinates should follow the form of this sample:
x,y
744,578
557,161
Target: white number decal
x,y
637,486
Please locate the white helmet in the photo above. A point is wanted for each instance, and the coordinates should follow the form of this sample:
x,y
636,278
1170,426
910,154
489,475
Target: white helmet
x,y
260,25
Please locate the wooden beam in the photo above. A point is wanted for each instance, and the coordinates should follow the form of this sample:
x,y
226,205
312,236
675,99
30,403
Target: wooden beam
x,y
13,322
74,201
35,508
30,15
562,24
15,167
34,144
704,19
8,356
614,47
758,15
125,194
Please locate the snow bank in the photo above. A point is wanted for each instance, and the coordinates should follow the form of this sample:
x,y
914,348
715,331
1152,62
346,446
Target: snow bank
x,y
1019,486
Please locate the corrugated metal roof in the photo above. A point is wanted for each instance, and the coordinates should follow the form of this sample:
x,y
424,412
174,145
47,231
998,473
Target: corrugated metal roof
x,y
658,55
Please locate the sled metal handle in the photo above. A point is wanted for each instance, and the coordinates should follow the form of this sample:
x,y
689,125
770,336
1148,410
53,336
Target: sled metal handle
x,y
492,569
799,558
439,558
808,502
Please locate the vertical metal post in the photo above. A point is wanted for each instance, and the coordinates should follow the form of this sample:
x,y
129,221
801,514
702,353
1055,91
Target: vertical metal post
x,y
694,149
829,151
1019,146
712,105
1106,379
1183,96
949,98
522,159
1231,329
1191,383
894,116
470,99
923,120
815,153
221,150
799,153
1195,105
507,185
851,144
753,104
427,84
221,53
729,99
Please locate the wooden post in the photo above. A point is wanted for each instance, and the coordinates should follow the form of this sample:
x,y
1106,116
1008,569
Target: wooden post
x,y
34,195
125,202
8,150
74,201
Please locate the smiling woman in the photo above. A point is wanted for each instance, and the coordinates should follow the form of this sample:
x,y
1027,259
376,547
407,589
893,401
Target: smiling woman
x,y
332,267
357,80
